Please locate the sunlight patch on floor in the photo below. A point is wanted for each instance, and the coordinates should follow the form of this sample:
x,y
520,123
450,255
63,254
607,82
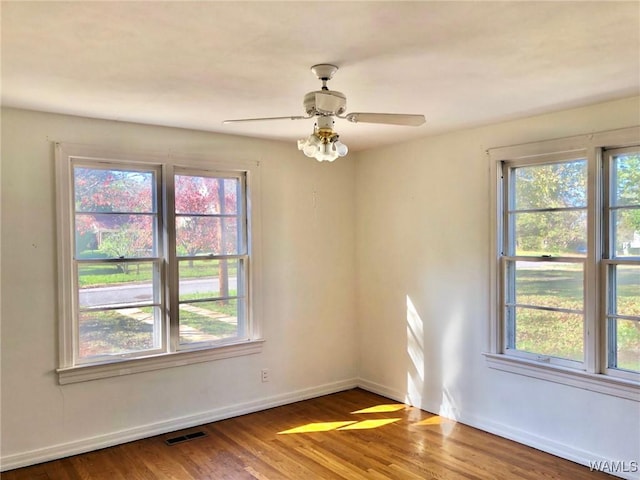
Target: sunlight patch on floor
x,y
316,427
365,424
393,407
329,426
435,420
368,424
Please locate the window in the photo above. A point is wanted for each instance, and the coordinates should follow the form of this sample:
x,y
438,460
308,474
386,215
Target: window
x,y
155,261
567,271
622,258
545,244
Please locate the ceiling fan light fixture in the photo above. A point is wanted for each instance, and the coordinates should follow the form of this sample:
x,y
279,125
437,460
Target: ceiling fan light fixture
x,y
325,154
310,146
323,144
340,147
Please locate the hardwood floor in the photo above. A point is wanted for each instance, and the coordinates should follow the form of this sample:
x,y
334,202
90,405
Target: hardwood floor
x,y
331,437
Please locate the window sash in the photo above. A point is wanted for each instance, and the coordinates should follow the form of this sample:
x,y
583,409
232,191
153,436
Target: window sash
x,y
245,329
163,260
155,214
611,263
610,318
509,259
510,303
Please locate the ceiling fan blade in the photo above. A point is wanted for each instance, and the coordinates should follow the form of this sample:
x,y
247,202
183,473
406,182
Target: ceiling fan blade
x,y
386,118
240,120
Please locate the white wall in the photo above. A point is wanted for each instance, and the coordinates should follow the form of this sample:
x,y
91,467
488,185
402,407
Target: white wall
x,y
423,236
308,212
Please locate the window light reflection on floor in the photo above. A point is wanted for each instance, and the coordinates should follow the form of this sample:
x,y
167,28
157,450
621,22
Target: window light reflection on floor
x,y
435,420
353,424
394,407
443,422
367,424
316,427
328,426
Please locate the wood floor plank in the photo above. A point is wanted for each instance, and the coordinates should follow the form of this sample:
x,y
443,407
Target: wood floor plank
x,y
351,435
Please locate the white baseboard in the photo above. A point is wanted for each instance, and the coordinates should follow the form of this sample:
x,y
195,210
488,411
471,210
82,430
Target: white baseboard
x,y
383,390
84,445
576,455
561,450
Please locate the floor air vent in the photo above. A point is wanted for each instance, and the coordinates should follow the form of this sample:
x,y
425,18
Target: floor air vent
x,y
184,438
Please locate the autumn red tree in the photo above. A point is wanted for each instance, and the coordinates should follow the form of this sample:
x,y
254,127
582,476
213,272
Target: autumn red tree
x,y
206,209
115,208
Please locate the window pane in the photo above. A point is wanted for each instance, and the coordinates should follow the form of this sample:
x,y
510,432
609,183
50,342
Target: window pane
x,y
208,321
551,186
105,284
628,344
547,233
198,236
627,290
208,278
626,231
113,190
206,195
205,236
627,179
114,235
555,334
117,332
231,193
230,244
559,285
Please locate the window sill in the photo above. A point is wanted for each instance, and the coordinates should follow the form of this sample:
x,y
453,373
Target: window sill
x,y
576,378
85,373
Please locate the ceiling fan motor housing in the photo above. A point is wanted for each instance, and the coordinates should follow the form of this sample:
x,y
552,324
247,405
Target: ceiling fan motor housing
x,y
325,102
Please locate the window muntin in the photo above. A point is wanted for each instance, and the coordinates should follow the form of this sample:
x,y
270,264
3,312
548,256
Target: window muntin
x,y
621,225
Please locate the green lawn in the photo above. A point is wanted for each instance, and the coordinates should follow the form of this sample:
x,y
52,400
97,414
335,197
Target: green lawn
x,y
212,318
100,275
560,334
113,332
130,330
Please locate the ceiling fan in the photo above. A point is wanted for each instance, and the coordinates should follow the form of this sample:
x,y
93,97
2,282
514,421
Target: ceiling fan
x,y
324,143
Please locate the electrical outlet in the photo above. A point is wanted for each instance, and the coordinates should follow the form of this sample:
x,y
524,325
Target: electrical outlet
x,y
265,374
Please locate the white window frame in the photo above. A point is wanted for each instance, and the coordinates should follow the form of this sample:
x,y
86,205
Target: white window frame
x,y
171,354
593,374
512,257
611,261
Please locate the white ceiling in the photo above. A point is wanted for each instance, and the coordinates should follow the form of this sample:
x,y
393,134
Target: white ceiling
x,y
194,64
